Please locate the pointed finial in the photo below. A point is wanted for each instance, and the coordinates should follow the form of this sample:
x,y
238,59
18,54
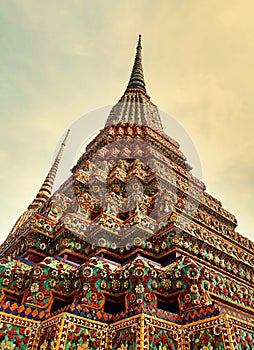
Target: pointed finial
x,y
139,40
45,190
66,137
137,75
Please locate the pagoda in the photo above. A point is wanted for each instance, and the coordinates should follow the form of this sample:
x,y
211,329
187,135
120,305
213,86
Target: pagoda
x,y
130,252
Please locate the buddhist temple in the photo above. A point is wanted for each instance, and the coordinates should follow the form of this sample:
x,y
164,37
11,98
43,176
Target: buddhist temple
x,y
130,252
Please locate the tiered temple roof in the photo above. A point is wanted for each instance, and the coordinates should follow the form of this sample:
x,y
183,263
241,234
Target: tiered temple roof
x,y
130,252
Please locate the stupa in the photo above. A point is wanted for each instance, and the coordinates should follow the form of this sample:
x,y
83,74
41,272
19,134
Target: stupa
x,y
130,252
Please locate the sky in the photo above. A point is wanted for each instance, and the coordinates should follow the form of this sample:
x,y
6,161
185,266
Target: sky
x,y
61,60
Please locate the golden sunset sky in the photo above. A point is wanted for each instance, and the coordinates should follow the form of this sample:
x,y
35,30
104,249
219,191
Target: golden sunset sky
x,y
62,59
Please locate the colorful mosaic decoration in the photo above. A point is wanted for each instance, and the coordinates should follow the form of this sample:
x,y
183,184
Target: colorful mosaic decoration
x,y
130,252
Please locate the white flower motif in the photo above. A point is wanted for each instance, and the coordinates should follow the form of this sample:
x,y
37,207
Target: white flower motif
x,y
139,288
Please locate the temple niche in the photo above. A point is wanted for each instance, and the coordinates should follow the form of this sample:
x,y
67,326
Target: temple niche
x,y
130,252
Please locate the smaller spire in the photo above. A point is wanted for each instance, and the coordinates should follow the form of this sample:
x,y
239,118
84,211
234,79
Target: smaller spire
x,y
45,190
137,75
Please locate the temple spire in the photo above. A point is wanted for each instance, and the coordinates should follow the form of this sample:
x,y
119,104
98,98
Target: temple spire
x,y
137,75
135,106
45,190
